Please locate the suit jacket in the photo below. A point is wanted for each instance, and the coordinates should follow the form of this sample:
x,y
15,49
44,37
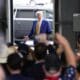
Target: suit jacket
x,y
45,28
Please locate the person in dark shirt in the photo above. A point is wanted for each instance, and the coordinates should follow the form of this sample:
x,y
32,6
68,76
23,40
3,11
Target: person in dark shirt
x,y
35,69
14,65
38,73
40,53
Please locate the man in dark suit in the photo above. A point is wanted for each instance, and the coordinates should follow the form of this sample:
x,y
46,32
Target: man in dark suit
x,y
40,26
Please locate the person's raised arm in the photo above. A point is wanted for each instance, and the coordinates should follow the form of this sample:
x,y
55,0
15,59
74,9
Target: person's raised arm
x,y
30,34
70,57
32,31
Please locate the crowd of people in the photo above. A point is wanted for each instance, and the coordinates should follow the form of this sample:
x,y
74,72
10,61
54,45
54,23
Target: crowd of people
x,y
45,62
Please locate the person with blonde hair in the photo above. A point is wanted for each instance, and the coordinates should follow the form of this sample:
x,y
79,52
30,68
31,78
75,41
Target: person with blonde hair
x,y
40,26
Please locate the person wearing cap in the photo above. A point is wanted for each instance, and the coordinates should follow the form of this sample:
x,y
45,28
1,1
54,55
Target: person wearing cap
x,y
40,26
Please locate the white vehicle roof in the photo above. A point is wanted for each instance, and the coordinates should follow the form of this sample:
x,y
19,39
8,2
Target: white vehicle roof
x,y
34,7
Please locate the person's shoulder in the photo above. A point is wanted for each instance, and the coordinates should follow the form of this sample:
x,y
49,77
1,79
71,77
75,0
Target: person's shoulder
x,y
35,21
28,78
18,77
44,20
